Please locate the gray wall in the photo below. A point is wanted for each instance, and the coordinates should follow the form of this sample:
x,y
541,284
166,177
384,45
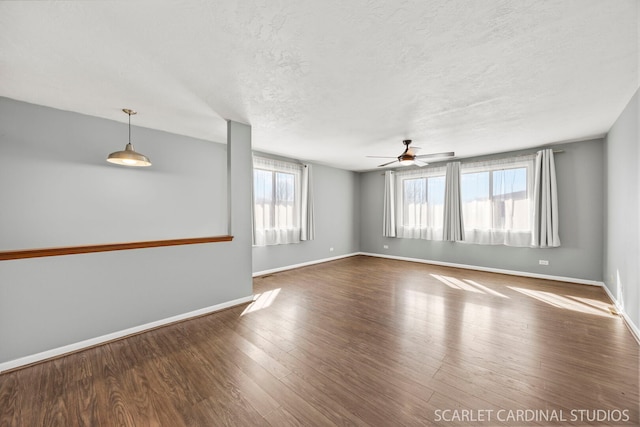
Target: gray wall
x,y
336,205
47,303
622,241
580,187
58,190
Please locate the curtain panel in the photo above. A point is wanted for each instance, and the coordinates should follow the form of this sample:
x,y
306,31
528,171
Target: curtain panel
x,y
307,220
389,209
453,229
545,202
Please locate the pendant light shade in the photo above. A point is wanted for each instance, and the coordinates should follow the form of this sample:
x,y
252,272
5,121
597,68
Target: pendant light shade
x,y
128,156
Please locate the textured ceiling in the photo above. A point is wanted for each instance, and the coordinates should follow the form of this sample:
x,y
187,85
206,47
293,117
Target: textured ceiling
x,y
332,81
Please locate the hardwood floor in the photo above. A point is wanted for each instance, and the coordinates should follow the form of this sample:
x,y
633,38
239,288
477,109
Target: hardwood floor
x,y
359,341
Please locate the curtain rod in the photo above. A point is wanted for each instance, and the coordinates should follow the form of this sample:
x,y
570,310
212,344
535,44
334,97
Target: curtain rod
x,y
519,155
531,154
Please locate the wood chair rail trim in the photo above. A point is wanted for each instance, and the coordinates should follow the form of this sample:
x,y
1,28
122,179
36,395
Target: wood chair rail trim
x,y
74,250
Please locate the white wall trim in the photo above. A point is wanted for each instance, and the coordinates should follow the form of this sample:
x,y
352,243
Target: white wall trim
x,y
27,360
303,264
632,327
612,298
490,269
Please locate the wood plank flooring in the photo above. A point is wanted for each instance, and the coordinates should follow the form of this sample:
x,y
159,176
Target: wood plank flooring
x,y
360,341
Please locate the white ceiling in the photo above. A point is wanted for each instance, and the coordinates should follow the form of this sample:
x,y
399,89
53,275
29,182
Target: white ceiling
x,y
332,81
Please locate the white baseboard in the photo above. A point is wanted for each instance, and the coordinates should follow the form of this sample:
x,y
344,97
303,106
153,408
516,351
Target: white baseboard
x,y
612,298
627,320
27,360
490,270
304,264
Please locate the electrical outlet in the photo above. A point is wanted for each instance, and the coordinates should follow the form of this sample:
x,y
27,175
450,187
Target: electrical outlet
x,y
385,246
543,262
330,249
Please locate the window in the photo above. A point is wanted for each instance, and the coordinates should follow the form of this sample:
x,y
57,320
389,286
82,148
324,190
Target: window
x,y
276,193
496,205
274,198
420,209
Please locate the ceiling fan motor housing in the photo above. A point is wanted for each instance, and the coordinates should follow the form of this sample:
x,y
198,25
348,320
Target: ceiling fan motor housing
x,y
406,156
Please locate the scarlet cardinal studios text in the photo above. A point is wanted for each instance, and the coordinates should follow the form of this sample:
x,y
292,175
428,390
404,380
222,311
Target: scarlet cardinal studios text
x,y
531,415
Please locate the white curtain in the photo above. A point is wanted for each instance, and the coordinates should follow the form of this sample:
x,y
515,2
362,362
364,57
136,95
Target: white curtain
x,y
277,195
307,224
545,202
389,212
253,211
496,201
453,229
420,210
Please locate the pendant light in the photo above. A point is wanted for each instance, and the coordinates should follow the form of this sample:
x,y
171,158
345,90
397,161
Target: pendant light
x,y
129,157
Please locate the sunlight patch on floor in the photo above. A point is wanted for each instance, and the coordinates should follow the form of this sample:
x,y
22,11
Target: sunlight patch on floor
x,y
600,305
454,283
568,302
485,288
260,301
466,285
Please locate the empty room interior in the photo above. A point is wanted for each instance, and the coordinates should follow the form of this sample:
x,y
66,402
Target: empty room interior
x,y
325,213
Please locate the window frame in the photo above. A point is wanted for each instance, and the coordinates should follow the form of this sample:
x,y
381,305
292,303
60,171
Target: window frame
x,y
412,231
493,235
274,234
274,185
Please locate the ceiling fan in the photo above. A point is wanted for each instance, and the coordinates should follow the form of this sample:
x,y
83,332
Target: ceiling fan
x,y
409,157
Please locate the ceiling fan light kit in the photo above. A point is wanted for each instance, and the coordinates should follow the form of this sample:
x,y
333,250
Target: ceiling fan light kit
x,y
128,156
409,157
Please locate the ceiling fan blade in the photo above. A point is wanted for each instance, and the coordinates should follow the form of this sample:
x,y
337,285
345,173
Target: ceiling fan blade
x,y
420,163
436,155
381,157
386,164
